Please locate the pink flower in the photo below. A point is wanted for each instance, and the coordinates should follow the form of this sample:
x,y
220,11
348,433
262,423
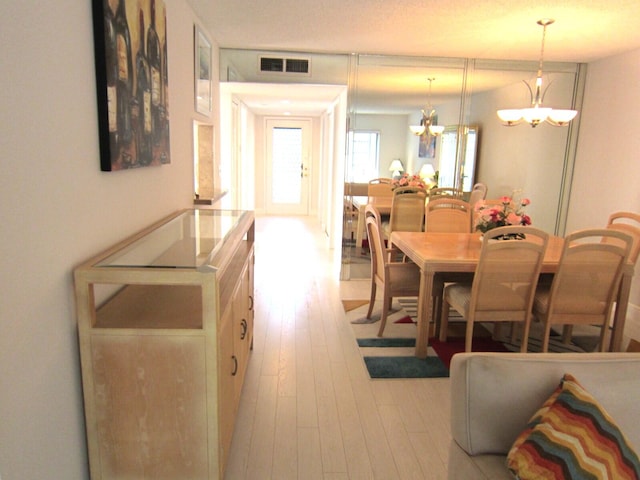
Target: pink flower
x,y
505,199
525,201
513,219
526,220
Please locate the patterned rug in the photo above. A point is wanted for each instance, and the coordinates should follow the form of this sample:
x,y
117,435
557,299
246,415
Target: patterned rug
x,y
392,356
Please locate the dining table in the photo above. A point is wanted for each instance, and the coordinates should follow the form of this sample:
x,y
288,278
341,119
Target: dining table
x,y
451,253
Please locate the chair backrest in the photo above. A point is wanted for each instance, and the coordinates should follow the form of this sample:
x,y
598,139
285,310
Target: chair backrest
x,y
379,180
448,215
627,222
379,189
371,211
356,189
438,192
507,274
589,272
407,210
478,192
376,243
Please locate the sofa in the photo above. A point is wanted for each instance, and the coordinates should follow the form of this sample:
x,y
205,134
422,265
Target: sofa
x,y
494,395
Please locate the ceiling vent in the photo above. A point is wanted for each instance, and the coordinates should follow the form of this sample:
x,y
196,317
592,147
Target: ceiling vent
x,y
298,66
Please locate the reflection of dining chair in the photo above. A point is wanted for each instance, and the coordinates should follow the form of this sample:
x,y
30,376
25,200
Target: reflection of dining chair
x,y
379,187
503,285
478,192
586,283
396,279
439,192
407,211
450,215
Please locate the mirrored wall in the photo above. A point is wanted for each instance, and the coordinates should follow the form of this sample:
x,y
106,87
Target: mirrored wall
x,y
387,94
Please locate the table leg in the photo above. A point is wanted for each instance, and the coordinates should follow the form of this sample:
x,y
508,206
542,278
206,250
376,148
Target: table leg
x,y
620,316
425,306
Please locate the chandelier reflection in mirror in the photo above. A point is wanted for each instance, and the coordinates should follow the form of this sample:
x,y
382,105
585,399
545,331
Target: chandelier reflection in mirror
x,y
428,120
537,114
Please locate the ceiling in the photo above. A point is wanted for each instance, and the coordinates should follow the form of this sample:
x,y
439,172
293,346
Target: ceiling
x,y
584,31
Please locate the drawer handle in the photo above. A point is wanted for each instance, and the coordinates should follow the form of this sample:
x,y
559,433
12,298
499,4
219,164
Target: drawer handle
x,y
245,326
251,302
235,366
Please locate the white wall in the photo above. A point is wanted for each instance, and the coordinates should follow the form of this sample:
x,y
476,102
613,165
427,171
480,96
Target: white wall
x,y
57,209
608,159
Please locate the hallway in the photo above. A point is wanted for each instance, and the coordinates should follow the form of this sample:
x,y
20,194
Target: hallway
x,y
309,409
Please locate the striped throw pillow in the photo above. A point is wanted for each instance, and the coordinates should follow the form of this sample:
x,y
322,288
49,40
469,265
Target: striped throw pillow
x,y
572,437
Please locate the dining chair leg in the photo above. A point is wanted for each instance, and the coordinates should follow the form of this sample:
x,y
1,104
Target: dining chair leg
x,y
567,333
524,343
603,338
386,307
545,337
468,338
372,300
444,321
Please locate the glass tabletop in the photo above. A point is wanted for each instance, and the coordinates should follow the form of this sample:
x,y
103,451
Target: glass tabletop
x,y
189,240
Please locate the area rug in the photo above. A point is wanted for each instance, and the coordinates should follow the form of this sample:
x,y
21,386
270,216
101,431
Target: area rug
x,y
392,356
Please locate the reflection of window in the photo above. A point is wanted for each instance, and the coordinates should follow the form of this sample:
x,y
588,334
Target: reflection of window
x,y
362,161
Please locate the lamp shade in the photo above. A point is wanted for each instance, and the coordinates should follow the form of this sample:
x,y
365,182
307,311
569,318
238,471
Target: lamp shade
x,y
561,117
427,171
436,129
417,129
510,116
396,166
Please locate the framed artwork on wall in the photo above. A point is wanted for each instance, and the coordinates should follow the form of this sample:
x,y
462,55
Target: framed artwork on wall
x,y
130,41
202,61
427,144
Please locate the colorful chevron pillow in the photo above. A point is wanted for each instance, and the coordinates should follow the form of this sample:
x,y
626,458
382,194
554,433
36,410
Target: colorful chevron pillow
x,y
572,437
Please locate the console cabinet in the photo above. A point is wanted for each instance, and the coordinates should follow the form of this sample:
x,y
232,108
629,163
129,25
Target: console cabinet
x,y
165,321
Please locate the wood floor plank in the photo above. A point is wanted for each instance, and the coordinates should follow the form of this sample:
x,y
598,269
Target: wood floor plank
x,y
401,447
285,449
309,454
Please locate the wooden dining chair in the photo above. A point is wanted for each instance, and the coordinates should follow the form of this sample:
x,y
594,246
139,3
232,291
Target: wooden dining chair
x,y
395,279
585,286
503,285
628,222
450,215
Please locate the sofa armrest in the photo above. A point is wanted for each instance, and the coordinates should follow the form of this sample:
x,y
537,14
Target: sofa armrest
x,y
493,395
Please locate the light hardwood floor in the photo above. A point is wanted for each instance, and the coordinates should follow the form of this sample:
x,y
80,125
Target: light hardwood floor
x,y
309,409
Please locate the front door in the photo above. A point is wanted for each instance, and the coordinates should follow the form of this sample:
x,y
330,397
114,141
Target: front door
x,y
288,166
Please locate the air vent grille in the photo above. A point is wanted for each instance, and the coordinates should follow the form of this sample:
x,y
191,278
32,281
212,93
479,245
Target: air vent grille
x,y
271,64
297,65
285,65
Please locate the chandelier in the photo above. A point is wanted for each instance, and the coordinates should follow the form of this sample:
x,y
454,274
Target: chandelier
x,y
428,121
537,114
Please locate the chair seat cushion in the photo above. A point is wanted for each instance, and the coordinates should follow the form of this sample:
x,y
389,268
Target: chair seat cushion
x,y
572,437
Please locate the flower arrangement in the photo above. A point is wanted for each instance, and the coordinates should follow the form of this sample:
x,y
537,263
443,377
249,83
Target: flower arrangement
x,y
408,180
508,212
